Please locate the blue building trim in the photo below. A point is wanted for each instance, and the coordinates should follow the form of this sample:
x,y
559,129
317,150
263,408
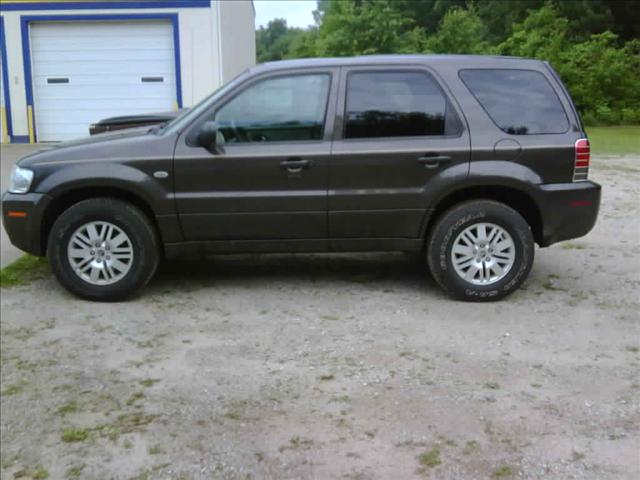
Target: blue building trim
x,y
17,6
5,79
20,139
25,20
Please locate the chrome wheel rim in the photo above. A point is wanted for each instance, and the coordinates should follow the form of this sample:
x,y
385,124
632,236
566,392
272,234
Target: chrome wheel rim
x,y
100,253
483,253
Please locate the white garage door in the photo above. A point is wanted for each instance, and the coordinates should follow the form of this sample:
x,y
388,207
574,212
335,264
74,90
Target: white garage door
x,y
85,71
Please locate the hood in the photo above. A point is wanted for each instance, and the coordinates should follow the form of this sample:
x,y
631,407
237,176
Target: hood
x,y
104,137
110,146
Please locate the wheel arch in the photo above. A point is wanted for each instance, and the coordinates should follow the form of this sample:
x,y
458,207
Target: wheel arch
x,y
513,197
66,199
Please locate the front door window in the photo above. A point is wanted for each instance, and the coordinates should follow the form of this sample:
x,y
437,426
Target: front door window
x,y
282,109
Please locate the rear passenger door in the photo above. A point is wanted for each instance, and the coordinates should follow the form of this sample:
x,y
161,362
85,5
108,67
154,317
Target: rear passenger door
x,y
396,128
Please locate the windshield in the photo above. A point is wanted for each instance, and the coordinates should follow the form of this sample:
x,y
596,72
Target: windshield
x,y
191,114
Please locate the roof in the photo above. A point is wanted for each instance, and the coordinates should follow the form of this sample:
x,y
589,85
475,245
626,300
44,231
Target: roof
x,y
486,60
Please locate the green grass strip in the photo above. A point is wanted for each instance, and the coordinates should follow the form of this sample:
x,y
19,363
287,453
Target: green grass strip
x,y
24,271
621,140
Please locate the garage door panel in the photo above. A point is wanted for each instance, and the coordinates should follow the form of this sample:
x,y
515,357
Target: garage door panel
x,y
96,70
79,81
158,103
83,69
91,44
141,54
52,119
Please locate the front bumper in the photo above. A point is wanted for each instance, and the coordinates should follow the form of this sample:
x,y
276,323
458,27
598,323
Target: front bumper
x,y
568,210
22,217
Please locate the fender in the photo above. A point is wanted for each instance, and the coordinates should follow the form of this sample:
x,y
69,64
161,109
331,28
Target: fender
x,y
481,173
110,175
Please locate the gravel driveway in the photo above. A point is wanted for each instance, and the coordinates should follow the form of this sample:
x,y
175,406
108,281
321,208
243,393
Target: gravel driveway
x,y
327,366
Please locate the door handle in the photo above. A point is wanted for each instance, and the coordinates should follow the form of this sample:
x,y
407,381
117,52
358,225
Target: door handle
x,y
432,161
296,165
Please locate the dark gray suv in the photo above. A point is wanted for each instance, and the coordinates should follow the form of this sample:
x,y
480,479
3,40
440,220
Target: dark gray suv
x,y
469,158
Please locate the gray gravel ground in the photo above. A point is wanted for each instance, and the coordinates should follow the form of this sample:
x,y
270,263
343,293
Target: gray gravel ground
x,y
327,366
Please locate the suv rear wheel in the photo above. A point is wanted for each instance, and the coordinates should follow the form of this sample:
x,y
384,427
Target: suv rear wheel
x,y
480,250
103,249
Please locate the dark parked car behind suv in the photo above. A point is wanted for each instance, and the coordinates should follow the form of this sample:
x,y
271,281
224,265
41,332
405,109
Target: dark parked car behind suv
x,y
471,158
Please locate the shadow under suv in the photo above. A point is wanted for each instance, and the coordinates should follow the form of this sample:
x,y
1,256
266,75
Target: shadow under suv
x,y
470,158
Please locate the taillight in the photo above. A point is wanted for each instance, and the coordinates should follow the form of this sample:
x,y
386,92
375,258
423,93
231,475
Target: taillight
x,y
583,155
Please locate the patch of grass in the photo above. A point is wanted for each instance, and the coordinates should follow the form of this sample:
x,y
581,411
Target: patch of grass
x,y
492,385
38,473
297,443
155,450
125,423
632,349
135,397
237,409
75,472
149,382
431,458
536,385
15,388
68,407
503,471
48,324
471,447
326,377
73,435
341,398
573,246
577,456
22,333
24,271
618,140
330,317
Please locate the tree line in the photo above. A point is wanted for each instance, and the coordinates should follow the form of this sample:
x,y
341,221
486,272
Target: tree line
x,y
594,45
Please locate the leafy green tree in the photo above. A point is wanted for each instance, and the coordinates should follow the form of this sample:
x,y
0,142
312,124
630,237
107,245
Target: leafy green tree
x,y
366,27
461,31
543,34
274,41
603,78
584,40
304,45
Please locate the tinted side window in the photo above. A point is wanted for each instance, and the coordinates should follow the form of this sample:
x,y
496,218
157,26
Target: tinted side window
x,y
520,102
277,109
396,104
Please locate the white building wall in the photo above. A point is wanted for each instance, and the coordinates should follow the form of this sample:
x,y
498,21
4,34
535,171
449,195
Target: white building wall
x,y
238,34
208,55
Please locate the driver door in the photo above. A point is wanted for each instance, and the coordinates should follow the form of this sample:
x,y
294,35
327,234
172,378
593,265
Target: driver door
x,y
267,178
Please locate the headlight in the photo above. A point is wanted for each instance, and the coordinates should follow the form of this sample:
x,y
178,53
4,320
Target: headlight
x,y
21,179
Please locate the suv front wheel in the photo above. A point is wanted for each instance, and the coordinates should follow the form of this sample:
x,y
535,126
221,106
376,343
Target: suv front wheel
x,y
103,249
480,250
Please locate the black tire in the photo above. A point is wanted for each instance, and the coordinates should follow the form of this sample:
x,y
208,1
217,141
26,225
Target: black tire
x,y
457,219
127,217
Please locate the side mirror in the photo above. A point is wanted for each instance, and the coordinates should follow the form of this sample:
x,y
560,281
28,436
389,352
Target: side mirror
x,y
207,135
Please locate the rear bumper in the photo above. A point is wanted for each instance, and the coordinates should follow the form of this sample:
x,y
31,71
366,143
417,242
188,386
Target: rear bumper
x,y
22,217
568,210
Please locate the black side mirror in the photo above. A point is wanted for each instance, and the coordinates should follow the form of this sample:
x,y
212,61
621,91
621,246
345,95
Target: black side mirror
x,y
207,135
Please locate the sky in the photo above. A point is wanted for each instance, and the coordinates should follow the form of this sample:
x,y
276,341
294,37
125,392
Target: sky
x,y
297,13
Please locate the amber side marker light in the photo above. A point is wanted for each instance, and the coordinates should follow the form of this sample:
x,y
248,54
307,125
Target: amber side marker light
x,y
16,214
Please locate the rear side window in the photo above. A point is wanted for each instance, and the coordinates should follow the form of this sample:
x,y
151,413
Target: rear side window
x,y
520,102
397,104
